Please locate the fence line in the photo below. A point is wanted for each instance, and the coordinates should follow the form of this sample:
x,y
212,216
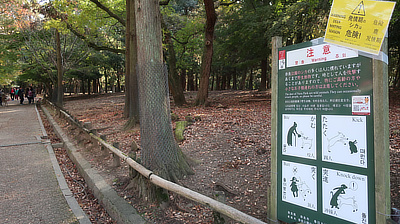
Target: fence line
x,y
168,185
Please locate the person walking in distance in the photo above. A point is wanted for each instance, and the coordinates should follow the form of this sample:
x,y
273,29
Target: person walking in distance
x,y
21,95
30,95
16,93
12,93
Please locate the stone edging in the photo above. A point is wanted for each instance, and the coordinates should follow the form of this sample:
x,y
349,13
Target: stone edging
x,y
69,197
120,210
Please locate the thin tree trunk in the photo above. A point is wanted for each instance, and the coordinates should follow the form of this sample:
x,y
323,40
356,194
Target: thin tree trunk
x,y
190,83
264,67
88,86
60,92
173,77
183,79
217,82
83,89
250,87
242,84
234,86
228,80
202,95
269,72
106,81
223,83
118,82
196,81
397,76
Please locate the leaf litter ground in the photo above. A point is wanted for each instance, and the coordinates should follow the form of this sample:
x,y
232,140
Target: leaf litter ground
x,y
231,143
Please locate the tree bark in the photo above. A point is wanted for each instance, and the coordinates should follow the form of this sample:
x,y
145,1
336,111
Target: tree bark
x,y
173,77
183,79
88,86
263,85
106,81
242,84
202,95
190,82
228,80
131,109
250,86
234,86
60,92
160,152
119,82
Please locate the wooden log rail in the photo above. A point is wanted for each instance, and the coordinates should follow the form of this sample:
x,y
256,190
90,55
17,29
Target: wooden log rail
x,y
168,185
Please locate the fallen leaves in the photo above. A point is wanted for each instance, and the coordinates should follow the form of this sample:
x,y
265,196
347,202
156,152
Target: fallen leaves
x,y
232,141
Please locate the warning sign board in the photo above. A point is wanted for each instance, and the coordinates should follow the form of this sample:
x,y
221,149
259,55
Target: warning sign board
x,y
325,134
361,25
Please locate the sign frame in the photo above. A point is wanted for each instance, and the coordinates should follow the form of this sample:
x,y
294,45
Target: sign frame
x,y
377,186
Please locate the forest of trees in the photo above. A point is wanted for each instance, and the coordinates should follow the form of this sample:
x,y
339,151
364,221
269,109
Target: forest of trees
x,y
227,43
97,46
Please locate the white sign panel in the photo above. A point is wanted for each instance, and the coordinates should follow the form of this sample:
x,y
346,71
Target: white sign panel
x,y
299,183
299,135
345,195
317,54
344,140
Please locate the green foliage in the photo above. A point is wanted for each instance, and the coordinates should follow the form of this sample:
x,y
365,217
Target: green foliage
x,y
187,31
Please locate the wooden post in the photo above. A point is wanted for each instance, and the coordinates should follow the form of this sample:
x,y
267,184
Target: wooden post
x,y
116,161
381,137
132,155
272,193
104,150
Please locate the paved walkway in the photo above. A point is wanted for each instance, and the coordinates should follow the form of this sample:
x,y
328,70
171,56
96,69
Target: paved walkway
x,y
32,188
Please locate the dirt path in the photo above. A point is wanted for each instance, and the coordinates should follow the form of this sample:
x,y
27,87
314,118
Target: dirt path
x,y
232,143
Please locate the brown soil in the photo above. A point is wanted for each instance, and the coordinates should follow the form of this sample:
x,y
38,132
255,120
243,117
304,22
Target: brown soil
x,y
231,141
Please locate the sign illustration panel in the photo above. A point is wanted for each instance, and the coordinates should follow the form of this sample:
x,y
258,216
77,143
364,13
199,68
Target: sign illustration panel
x,y
299,184
299,135
345,195
344,140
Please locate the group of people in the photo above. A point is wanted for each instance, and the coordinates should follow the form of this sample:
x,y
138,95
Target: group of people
x,y
20,94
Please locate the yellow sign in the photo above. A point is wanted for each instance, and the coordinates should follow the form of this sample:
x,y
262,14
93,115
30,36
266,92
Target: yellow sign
x,y
359,24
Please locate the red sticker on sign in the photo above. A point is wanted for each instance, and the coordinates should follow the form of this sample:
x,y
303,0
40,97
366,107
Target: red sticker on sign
x,y
282,55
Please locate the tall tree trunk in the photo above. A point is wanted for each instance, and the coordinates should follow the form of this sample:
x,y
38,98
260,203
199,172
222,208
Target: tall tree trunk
x,y
223,83
397,75
60,91
131,109
212,81
88,86
250,87
183,79
160,152
106,81
173,77
264,67
196,81
228,80
95,86
118,82
234,86
190,83
242,84
217,82
202,95
83,89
